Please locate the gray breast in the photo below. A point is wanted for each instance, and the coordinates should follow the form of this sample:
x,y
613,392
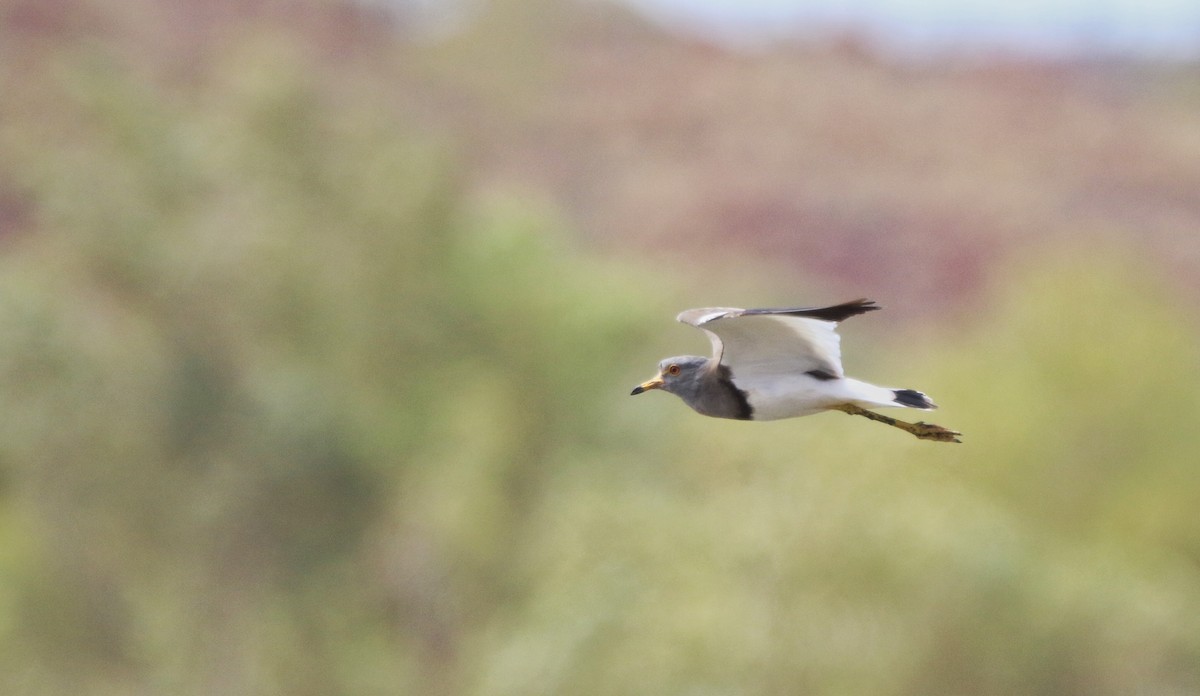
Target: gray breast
x,y
721,398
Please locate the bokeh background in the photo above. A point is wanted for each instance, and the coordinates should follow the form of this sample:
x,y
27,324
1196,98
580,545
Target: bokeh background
x,y
318,320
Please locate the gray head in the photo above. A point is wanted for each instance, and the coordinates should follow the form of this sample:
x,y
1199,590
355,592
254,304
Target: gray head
x,y
707,391
682,375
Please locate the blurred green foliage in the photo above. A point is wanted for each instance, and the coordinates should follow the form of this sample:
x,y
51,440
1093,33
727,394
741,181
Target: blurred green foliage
x,y
289,408
278,399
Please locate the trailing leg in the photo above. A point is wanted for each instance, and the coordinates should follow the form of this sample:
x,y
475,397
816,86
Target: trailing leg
x,y
921,429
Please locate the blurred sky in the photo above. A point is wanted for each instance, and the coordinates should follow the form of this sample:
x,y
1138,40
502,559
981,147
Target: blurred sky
x,y
1150,28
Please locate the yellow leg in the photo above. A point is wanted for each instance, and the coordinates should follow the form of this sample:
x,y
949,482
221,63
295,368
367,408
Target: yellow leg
x,y
921,429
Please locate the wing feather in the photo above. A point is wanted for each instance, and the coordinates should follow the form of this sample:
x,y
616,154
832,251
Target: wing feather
x,y
762,342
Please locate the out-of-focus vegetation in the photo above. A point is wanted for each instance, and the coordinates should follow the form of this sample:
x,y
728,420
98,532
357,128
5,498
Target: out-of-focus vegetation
x,y
299,398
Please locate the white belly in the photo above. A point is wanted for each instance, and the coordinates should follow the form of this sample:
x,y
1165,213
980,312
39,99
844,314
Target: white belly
x,y
801,395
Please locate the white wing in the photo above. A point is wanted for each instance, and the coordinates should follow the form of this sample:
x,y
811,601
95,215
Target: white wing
x,y
761,342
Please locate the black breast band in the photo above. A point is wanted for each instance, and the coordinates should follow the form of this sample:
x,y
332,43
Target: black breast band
x,y
744,410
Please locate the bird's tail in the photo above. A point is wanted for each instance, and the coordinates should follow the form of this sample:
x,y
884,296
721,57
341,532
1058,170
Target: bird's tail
x,y
913,399
871,396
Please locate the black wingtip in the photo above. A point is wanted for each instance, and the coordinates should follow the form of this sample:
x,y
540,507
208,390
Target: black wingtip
x,y
834,313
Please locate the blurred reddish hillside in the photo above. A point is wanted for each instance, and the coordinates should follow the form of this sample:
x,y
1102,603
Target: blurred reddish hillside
x,y
906,179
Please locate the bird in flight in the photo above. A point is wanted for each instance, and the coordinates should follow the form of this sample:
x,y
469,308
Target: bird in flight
x,y
769,364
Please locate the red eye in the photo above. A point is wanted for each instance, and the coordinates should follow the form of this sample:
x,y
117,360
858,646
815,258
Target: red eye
x,y
673,370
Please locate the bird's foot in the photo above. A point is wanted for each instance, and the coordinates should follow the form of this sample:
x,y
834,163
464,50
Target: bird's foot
x,y
930,431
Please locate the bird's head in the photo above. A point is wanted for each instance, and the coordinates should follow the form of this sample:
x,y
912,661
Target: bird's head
x,y
679,375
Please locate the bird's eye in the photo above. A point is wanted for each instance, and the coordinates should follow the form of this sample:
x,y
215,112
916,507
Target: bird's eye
x,y
673,370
